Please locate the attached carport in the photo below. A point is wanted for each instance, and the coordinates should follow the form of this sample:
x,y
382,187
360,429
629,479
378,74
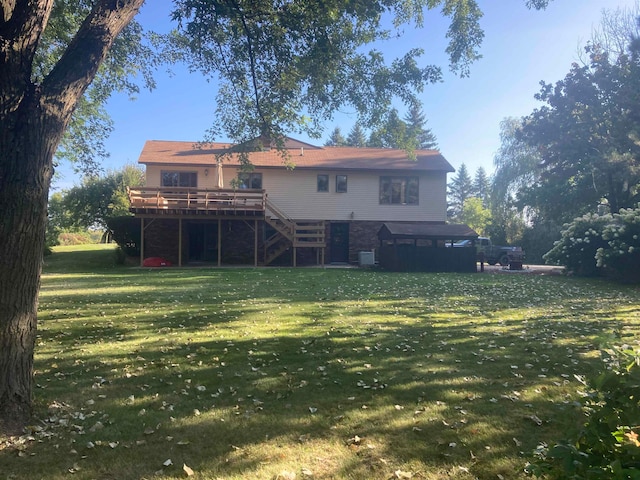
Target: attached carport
x,y
419,247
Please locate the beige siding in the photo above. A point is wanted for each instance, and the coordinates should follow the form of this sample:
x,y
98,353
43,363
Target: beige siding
x,y
206,176
295,192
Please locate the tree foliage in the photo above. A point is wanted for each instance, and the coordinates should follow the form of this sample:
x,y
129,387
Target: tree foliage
x,y
475,215
92,203
586,138
336,139
266,56
417,130
460,189
357,137
128,67
482,186
607,445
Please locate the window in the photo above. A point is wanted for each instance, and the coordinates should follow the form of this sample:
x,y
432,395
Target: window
x,y
398,190
250,180
341,183
323,183
179,179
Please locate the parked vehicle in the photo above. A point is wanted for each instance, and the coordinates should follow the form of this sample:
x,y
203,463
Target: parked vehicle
x,y
493,254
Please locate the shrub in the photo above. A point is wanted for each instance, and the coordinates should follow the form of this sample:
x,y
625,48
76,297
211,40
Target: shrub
x,y
621,256
608,445
578,244
126,233
74,238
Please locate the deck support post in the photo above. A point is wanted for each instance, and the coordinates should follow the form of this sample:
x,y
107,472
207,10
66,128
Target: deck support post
x,y
219,242
141,241
295,256
180,242
255,243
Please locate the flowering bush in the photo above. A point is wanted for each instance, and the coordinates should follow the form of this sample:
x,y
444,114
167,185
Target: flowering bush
x,y
621,255
578,244
596,244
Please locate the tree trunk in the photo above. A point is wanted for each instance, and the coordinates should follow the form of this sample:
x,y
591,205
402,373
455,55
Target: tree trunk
x,y
32,121
25,173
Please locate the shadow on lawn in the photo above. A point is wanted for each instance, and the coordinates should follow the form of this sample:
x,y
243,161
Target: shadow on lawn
x,y
423,369
429,392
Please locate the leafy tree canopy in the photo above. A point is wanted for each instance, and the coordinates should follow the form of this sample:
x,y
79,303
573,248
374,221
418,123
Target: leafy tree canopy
x,y
98,198
587,137
128,67
266,57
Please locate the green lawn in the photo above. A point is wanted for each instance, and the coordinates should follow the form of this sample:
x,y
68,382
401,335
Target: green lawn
x,y
322,373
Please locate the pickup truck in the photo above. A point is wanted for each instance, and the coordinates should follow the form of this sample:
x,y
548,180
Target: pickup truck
x,y
494,253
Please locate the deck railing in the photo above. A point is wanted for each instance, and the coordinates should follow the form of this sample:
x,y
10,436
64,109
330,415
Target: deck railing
x,y
197,199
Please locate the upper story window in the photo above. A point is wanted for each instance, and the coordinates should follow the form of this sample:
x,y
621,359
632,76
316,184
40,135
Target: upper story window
x,y
250,180
341,183
398,190
179,179
323,183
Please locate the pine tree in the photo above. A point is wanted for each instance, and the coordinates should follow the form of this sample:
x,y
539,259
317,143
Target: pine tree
x,y
336,139
481,186
416,129
356,137
460,189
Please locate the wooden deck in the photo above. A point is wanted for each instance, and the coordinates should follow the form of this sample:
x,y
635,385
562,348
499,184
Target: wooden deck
x,y
184,200
220,204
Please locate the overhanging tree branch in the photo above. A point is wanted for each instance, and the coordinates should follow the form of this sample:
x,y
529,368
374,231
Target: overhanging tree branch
x,y
79,64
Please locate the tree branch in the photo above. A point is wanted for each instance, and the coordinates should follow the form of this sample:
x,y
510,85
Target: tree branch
x,y
79,64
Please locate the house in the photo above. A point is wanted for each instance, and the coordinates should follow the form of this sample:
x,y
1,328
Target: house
x,y
317,205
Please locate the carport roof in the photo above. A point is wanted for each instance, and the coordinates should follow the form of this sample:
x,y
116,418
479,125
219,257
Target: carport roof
x,y
442,231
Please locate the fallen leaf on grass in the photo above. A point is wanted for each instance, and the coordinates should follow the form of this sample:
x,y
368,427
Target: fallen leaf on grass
x,y
535,419
187,470
400,474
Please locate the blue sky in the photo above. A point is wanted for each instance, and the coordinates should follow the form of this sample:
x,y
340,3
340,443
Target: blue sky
x,y
521,47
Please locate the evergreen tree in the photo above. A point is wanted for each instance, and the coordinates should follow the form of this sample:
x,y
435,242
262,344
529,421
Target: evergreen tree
x,y
460,189
416,128
356,137
336,139
375,139
482,186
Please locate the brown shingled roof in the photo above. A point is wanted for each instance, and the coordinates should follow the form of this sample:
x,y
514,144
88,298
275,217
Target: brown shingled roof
x,y
302,155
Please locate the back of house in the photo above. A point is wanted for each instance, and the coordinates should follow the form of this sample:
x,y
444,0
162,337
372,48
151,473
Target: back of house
x,y
298,204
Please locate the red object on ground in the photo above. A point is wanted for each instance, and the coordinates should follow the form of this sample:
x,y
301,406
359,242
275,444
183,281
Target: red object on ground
x,y
156,262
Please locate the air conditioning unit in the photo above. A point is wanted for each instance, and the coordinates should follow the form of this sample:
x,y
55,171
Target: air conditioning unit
x,y
366,258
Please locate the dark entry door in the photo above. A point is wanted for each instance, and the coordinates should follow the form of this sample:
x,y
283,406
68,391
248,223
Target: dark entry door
x,y
339,243
203,242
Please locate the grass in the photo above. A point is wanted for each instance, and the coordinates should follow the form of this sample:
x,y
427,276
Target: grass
x,y
321,373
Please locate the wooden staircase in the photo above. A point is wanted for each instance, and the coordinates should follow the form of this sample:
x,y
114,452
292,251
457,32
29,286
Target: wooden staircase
x,y
291,234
